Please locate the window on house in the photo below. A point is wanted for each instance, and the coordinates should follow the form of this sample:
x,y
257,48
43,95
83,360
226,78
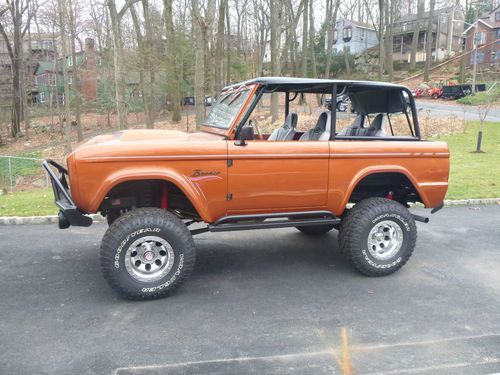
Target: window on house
x,y
362,34
48,44
335,36
42,97
51,79
497,36
480,37
497,55
347,33
70,79
497,16
70,61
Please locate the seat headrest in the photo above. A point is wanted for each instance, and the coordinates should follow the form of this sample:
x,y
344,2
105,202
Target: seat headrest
x,y
377,122
291,120
321,123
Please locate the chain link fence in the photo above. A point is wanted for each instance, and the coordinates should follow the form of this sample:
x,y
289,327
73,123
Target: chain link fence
x,y
19,172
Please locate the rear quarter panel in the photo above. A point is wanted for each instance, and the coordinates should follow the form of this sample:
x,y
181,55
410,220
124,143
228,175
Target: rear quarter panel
x,y
426,164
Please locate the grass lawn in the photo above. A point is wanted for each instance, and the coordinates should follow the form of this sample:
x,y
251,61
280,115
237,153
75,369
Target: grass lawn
x,y
472,175
28,203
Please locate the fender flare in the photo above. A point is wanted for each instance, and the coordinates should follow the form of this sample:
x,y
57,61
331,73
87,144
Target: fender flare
x,y
189,189
383,169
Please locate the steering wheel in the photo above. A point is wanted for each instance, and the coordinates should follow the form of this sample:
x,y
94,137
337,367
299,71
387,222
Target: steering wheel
x,y
254,123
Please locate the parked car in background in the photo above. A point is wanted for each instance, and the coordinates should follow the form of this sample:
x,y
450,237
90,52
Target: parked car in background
x,y
342,103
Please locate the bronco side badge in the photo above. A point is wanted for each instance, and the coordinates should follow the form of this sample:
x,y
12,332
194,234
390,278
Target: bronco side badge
x,y
200,173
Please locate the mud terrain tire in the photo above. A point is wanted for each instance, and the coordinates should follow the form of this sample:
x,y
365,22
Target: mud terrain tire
x,y
378,236
147,253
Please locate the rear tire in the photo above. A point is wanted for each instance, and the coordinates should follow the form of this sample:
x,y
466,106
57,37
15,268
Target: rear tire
x,y
147,253
316,230
378,236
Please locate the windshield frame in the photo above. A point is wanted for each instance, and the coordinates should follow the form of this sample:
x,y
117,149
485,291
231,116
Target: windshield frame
x,y
237,116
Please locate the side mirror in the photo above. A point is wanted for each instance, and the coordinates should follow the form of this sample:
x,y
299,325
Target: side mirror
x,y
246,134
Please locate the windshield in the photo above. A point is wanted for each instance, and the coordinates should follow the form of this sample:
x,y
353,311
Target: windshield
x,y
226,108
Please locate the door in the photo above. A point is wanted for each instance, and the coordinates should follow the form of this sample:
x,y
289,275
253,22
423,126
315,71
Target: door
x,y
277,176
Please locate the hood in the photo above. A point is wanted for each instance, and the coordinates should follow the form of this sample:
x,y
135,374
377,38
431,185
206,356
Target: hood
x,y
147,143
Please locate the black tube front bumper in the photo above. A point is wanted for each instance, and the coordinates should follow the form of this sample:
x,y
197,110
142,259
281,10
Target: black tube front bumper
x,y
69,214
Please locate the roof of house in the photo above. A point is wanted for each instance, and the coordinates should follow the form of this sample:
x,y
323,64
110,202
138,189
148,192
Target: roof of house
x,y
474,25
412,17
44,66
358,23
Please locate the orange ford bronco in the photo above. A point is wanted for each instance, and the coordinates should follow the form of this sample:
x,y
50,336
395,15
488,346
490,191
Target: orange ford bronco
x,y
270,154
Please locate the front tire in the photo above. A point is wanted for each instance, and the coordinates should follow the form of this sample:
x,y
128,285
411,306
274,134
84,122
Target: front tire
x,y
147,253
378,236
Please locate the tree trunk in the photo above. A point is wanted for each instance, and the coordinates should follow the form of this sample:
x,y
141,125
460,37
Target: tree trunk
x,y
228,31
381,39
219,48
67,109
305,20
173,75
118,59
202,27
74,72
275,56
199,70
150,71
428,41
332,21
416,33
389,43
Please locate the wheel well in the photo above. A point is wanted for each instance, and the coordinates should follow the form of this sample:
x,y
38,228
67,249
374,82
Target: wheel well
x,y
148,193
382,184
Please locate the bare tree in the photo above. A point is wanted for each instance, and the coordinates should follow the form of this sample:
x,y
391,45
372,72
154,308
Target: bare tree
x,y
17,13
388,37
116,17
219,47
331,14
74,71
62,6
275,55
146,70
416,34
202,25
428,40
305,20
380,34
173,74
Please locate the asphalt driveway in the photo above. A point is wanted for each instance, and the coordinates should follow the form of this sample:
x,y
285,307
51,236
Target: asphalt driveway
x,y
259,302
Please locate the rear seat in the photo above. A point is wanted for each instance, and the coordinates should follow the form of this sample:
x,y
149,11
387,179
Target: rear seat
x,y
357,129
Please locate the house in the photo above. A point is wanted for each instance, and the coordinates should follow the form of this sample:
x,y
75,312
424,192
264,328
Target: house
x,y
486,33
353,37
36,47
49,79
446,32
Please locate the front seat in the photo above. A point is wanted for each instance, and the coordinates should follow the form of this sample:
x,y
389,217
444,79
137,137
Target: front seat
x,y
375,129
287,131
321,132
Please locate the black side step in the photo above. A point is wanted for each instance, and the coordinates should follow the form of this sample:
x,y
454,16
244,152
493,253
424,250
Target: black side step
x,y
274,220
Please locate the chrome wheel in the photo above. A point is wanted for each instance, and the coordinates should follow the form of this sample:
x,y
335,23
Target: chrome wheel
x,y
149,258
385,239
